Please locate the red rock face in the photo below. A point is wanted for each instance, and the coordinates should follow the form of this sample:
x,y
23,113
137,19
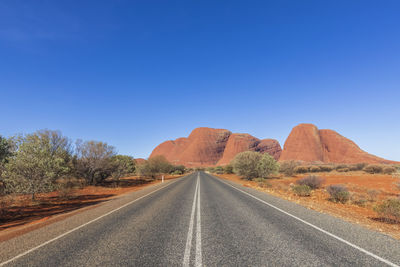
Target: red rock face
x,y
237,143
209,147
307,143
270,146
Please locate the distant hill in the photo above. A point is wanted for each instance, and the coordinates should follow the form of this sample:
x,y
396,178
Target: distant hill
x,y
210,147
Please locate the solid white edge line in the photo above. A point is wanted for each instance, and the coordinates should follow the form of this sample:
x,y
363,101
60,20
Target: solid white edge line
x,y
198,259
81,226
315,227
188,247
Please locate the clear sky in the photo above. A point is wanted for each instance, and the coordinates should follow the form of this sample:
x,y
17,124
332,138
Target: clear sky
x,y
136,73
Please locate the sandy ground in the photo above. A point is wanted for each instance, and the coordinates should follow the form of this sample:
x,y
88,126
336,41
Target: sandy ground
x,y
21,214
373,188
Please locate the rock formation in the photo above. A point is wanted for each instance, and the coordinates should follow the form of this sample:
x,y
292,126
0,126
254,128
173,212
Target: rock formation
x,y
307,143
209,147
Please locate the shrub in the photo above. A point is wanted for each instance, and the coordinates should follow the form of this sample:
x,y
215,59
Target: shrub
x,y
219,170
122,166
311,181
302,169
245,164
261,182
389,170
177,172
228,169
373,169
389,209
288,167
359,200
343,169
94,161
338,193
372,195
315,169
302,190
326,168
154,166
342,166
41,159
267,166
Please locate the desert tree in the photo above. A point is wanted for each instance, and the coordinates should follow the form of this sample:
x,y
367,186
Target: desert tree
x,y
122,165
154,166
93,161
267,166
245,164
41,159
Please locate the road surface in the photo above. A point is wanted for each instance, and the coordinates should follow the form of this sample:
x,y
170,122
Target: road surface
x,y
200,220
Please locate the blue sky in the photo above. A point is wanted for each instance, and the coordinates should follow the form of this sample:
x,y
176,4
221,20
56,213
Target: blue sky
x,y
136,73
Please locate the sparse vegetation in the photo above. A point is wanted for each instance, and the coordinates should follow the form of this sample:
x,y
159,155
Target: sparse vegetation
x,y
389,170
154,167
338,193
312,181
302,169
41,159
93,161
251,165
302,190
389,209
315,169
288,167
267,166
373,168
228,169
245,164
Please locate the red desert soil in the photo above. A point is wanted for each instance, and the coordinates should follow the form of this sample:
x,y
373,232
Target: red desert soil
x,y
358,183
24,215
208,147
307,143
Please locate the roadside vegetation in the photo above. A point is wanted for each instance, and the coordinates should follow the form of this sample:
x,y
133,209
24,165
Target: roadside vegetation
x,y
370,190
46,169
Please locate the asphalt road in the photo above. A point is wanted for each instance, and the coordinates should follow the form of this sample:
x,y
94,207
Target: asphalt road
x,y
200,220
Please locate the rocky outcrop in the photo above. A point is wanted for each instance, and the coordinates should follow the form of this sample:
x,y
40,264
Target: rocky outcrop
x,y
307,143
209,147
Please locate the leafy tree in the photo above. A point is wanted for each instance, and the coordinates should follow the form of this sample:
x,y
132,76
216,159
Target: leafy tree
x,y
122,166
178,169
41,159
5,150
267,166
154,166
94,161
246,163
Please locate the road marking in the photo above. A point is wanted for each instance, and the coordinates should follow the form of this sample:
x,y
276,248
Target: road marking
x,y
186,257
198,259
81,226
315,227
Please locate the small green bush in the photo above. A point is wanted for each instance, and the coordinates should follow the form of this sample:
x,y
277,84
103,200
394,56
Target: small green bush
x,y
338,193
302,190
311,181
389,209
302,169
372,169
